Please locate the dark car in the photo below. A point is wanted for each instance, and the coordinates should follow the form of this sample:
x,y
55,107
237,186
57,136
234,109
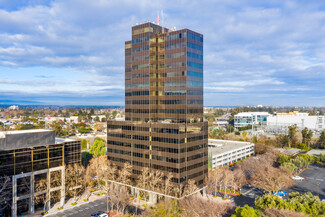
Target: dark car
x,y
96,214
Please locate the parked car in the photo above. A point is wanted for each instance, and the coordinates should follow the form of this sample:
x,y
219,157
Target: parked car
x,y
298,178
96,214
280,193
103,215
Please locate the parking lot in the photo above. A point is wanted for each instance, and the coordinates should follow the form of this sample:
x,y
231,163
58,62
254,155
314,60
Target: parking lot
x,y
314,182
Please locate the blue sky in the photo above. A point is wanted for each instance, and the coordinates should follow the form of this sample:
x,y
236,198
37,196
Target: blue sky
x,y
71,52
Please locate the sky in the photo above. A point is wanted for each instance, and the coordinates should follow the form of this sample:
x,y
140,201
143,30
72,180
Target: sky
x,y
71,52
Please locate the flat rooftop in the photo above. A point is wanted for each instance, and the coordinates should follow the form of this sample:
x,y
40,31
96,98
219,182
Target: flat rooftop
x,y
26,138
3,133
289,151
59,140
316,152
252,113
221,146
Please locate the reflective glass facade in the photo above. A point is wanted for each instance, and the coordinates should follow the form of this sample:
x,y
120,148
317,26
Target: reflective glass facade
x,y
24,160
163,127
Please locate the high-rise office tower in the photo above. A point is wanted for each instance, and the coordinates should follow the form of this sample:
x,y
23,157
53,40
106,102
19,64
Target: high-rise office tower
x,y
163,127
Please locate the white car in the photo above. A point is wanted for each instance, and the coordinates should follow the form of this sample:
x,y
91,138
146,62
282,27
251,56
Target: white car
x,y
298,178
103,215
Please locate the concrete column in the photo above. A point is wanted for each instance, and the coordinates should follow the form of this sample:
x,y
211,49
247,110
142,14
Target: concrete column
x,y
153,198
137,192
132,191
31,203
62,200
14,195
48,193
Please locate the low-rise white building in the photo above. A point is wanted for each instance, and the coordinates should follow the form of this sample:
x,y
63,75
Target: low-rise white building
x,y
250,118
225,152
13,107
302,120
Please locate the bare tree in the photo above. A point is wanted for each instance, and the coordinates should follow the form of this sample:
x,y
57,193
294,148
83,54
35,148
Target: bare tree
x,y
239,179
143,179
124,175
271,178
198,206
190,187
97,169
74,180
272,212
168,185
5,194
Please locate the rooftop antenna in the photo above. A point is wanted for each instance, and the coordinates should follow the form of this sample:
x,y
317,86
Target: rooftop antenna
x,y
162,21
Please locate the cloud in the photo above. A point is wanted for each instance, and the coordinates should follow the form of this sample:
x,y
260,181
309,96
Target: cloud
x,y
253,50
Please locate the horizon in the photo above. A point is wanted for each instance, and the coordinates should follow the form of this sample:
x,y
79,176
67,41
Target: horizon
x,y
60,52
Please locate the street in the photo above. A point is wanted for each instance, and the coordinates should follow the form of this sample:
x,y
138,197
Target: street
x,y
248,197
83,210
86,209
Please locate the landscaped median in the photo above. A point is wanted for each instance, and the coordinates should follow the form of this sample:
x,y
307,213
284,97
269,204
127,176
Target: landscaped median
x,y
231,192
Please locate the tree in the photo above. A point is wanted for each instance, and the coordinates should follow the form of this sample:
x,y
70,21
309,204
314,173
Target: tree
x,y
292,135
57,127
190,187
244,135
260,148
5,194
306,136
92,111
272,179
125,173
283,140
98,148
97,169
246,211
84,143
273,212
196,205
41,185
283,158
74,180
171,208
85,158
303,203
322,139
210,161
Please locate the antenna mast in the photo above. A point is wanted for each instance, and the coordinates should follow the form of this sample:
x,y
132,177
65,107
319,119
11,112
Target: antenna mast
x,y
162,21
